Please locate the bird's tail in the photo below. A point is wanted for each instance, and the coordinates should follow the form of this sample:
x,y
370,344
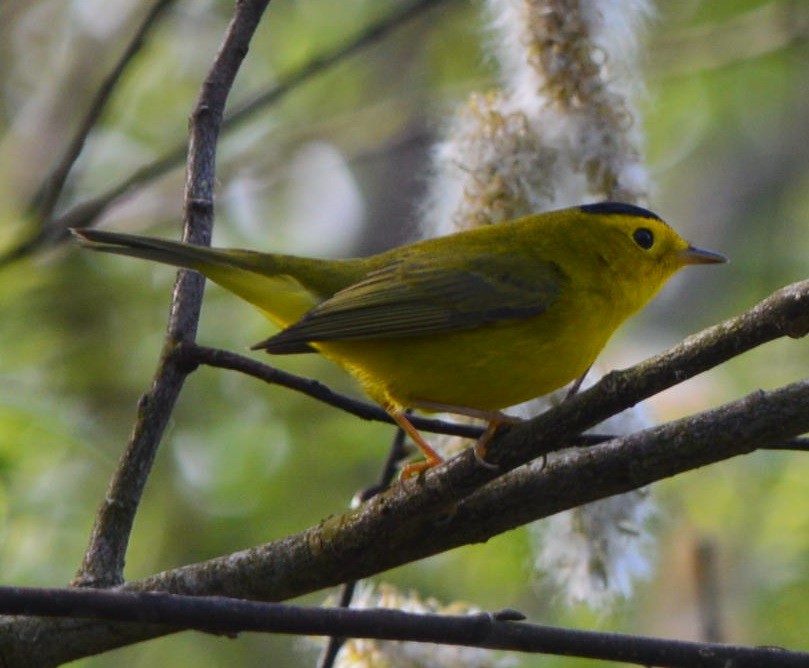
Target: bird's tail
x,y
268,281
179,254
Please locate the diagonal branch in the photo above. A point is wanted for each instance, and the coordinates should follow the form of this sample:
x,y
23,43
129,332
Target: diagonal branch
x,y
193,354
348,546
104,559
44,201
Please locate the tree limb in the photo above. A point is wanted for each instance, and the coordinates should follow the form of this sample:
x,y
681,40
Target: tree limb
x,y
502,631
103,561
193,354
44,201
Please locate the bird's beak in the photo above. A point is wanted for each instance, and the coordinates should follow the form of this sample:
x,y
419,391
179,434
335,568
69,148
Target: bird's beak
x,y
694,255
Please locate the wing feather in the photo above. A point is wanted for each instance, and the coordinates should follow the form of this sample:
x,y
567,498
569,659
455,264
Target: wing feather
x,y
413,297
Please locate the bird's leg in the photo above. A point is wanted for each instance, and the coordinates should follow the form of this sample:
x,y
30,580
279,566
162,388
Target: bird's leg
x,y
577,383
495,420
482,444
433,458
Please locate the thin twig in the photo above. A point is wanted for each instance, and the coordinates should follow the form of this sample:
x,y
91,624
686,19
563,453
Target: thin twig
x,y
334,643
708,590
44,201
396,454
191,353
784,313
799,443
85,213
483,630
104,559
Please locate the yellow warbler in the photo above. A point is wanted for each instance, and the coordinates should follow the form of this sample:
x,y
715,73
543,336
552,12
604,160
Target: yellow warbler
x,y
468,323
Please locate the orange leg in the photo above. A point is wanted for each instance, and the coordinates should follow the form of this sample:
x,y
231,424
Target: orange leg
x,y
577,383
491,429
494,418
433,458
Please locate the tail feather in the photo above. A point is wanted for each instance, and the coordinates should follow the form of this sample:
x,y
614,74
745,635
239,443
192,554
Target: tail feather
x,y
174,253
269,282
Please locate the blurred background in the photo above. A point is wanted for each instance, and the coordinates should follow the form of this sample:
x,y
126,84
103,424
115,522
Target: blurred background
x,y
338,167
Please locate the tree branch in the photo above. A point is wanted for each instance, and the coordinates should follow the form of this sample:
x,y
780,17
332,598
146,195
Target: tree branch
x,y
103,561
193,354
347,546
501,631
44,201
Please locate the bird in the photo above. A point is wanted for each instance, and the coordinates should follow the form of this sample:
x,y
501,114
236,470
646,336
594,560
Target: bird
x,y
468,323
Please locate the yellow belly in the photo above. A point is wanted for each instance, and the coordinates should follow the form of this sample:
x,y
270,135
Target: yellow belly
x,y
487,368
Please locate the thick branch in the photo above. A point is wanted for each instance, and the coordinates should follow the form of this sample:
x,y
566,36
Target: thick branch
x,y
348,547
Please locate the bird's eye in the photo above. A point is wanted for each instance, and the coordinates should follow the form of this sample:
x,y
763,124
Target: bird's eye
x,y
643,237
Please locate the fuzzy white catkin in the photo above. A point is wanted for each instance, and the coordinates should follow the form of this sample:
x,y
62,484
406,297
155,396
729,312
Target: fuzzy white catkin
x,y
595,553
367,653
561,129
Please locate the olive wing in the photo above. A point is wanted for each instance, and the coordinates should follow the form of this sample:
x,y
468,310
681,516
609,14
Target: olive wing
x,y
419,297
